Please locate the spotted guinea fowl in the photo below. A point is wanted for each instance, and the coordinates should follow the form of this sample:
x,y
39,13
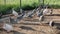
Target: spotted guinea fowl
x,y
47,11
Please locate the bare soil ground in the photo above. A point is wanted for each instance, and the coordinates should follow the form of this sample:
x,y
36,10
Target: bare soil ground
x,y
34,29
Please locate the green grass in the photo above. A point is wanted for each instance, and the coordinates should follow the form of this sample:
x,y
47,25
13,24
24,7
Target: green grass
x,y
17,2
53,3
29,2
26,4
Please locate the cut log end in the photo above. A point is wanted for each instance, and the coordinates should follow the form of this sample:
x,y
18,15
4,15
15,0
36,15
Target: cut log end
x,y
51,23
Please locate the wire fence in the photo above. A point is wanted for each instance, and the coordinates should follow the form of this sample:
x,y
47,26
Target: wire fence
x,y
31,3
40,1
9,1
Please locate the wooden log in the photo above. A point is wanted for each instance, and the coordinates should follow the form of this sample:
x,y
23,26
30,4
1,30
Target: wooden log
x,y
51,23
6,20
49,18
52,15
33,23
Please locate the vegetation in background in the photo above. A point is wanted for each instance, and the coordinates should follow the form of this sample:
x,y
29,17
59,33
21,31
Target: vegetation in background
x,y
26,4
53,3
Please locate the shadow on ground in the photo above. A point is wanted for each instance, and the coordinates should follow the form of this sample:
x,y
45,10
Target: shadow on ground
x,y
15,32
27,28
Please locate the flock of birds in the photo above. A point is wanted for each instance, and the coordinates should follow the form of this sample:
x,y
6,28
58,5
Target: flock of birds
x,y
9,27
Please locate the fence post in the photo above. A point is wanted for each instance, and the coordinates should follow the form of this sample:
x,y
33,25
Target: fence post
x,y
5,2
41,2
20,7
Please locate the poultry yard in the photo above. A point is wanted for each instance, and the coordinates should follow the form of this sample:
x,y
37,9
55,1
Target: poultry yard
x,y
32,25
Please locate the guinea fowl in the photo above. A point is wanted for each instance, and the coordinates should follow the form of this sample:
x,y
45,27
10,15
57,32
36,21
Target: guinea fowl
x,y
8,27
14,12
47,11
31,14
17,17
